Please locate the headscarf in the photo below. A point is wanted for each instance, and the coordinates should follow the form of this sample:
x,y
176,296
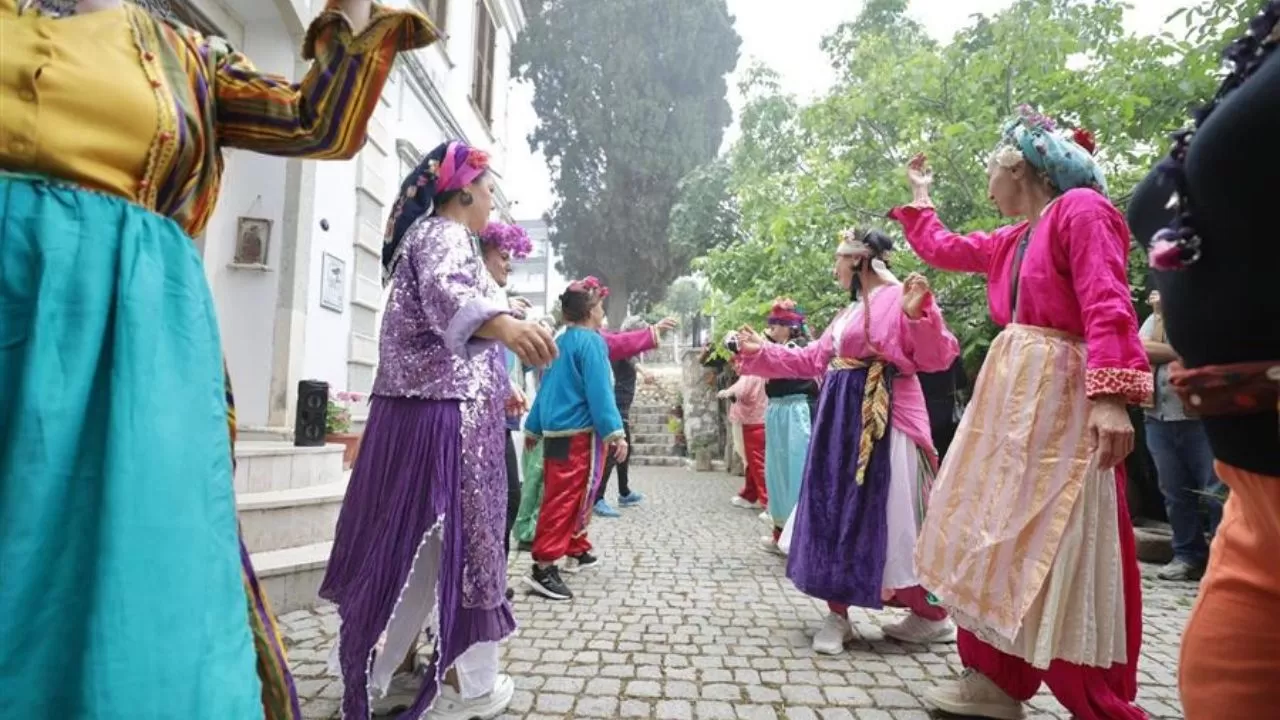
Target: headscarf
x,y
1067,161
507,238
786,312
447,169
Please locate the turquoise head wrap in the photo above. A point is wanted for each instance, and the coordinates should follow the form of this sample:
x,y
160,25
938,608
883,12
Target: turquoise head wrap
x,y
1067,161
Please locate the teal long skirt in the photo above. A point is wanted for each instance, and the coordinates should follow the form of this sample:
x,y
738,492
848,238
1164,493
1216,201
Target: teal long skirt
x,y
787,427
121,593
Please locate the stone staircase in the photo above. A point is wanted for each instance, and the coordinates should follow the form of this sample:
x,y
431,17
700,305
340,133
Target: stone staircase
x,y
288,500
651,442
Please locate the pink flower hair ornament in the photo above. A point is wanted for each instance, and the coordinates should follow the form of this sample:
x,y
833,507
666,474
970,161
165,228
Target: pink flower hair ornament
x,y
589,284
508,238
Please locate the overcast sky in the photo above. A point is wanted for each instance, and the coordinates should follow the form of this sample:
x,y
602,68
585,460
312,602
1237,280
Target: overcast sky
x,y
788,42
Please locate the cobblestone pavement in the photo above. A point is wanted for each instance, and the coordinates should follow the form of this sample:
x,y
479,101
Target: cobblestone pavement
x,y
687,619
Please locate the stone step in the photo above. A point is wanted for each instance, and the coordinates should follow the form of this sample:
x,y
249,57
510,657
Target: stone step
x,y
648,427
265,466
291,576
646,415
652,438
279,519
652,449
658,461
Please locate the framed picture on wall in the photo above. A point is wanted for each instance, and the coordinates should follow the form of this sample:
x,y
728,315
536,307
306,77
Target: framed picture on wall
x,y
333,283
253,240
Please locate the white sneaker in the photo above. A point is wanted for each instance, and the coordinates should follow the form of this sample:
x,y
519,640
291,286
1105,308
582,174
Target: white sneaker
x,y
449,705
401,694
739,501
766,518
973,694
768,545
835,632
915,629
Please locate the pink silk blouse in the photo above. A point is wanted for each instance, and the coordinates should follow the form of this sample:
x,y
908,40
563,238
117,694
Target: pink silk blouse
x,y
1074,279
751,401
911,346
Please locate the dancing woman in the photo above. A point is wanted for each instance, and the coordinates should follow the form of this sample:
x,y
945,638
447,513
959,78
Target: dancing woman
x,y
419,539
1215,267
867,479
1029,542
747,417
118,421
788,422
621,346
499,244
575,414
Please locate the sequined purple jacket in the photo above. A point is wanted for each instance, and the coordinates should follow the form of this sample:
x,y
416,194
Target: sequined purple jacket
x,y
441,294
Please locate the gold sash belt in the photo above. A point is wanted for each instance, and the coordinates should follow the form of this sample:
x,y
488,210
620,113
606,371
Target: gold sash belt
x,y
875,406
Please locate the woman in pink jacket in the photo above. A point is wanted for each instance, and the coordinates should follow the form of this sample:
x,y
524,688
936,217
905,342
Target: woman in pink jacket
x,y
1028,541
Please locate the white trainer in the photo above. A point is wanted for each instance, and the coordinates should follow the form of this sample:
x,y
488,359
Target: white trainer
x,y
739,501
915,629
449,705
974,694
768,545
835,632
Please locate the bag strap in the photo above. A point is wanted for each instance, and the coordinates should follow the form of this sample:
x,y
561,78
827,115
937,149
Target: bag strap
x,y
1016,276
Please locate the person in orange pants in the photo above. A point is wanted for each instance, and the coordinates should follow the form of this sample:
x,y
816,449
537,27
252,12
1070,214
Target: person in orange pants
x,y
1207,216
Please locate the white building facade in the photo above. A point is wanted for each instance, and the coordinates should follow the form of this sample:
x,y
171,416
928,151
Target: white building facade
x,y
281,321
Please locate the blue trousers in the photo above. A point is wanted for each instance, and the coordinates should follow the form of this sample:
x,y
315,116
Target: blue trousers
x,y
1184,463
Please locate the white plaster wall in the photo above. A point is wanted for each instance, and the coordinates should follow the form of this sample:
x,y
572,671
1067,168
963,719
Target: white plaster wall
x,y
253,185
327,331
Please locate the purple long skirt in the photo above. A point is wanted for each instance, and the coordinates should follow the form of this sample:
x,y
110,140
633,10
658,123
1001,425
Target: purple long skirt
x,y
841,527
409,481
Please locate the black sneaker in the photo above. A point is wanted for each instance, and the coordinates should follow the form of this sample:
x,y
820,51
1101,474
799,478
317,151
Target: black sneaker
x,y
578,563
511,594
547,583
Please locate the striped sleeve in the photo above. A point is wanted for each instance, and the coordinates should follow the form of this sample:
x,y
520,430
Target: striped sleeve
x,y
325,115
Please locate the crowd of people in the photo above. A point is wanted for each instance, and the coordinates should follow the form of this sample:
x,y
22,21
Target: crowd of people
x,y
1017,545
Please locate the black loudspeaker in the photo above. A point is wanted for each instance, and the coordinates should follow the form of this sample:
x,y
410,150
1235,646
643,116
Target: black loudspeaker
x,y
309,421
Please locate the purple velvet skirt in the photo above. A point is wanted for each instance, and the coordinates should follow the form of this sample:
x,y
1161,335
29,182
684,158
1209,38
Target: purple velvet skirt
x,y
409,482
840,535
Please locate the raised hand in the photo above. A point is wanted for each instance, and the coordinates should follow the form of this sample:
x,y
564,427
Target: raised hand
x,y
749,341
915,291
919,174
666,324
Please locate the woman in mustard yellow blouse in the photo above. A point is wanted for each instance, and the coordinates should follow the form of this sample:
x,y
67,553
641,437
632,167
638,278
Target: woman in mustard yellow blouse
x,y
125,591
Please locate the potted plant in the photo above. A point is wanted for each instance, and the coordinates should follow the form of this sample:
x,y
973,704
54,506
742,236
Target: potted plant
x,y
337,425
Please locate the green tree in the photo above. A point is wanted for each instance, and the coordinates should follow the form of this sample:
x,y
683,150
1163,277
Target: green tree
x,y
630,95
802,173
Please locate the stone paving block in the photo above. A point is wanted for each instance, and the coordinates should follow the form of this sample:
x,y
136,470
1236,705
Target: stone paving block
x,y
715,630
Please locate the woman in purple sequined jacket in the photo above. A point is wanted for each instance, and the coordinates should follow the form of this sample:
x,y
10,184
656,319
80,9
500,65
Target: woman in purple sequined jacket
x,y
419,541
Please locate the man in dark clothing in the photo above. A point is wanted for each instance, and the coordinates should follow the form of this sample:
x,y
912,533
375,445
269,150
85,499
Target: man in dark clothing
x,y
625,374
943,398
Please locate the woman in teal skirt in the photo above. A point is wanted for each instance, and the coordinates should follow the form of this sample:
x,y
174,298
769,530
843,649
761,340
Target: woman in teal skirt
x,y
124,589
787,423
